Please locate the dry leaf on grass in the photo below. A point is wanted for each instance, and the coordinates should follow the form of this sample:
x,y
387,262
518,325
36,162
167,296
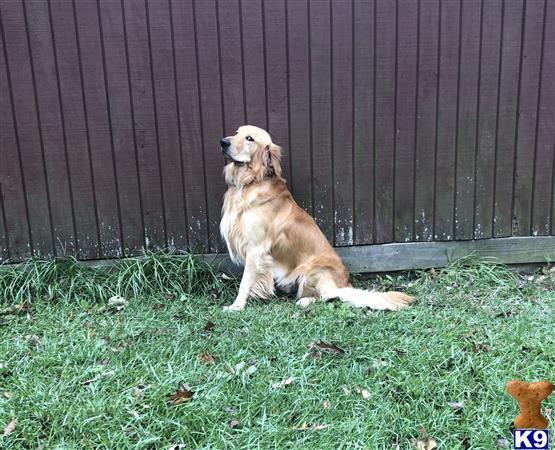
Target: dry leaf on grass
x,y
426,442
456,405
177,447
9,427
326,404
182,395
206,358
480,347
234,423
7,394
502,443
108,373
324,347
282,383
346,390
309,427
548,412
117,303
139,390
209,327
33,339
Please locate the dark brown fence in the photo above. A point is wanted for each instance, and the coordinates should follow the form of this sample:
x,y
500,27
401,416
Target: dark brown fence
x,y
402,120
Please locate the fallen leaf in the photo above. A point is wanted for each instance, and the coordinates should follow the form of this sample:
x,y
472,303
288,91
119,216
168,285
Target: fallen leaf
x,y
282,383
33,339
182,394
346,390
308,427
549,412
250,370
326,348
9,427
98,377
426,442
116,302
326,404
502,443
365,394
177,447
426,445
477,348
209,327
206,358
135,414
456,405
234,423
169,296
229,369
7,394
139,390
226,277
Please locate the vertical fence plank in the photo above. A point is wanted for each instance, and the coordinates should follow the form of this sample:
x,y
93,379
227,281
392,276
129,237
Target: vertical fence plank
x,y
407,66
233,91
527,116
51,127
363,29
194,163
384,147
211,111
544,196
4,241
276,78
252,29
321,107
342,120
20,80
486,137
426,116
507,113
14,203
75,129
110,117
467,114
146,130
166,122
447,121
299,103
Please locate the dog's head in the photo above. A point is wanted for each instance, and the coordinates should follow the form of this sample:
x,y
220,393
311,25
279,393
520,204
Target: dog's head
x,y
252,156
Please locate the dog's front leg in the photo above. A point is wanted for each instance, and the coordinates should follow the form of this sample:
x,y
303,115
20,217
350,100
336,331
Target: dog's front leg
x,y
249,277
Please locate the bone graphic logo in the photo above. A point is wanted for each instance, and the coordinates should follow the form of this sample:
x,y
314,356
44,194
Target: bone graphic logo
x,y
529,397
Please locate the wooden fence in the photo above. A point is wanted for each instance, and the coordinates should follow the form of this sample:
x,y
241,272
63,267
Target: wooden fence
x,y
402,120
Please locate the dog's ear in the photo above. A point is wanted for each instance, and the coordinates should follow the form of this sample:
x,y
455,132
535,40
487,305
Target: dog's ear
x,y
272,158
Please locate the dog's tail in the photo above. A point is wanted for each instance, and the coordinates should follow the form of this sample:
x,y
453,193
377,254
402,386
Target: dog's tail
x,y
371,299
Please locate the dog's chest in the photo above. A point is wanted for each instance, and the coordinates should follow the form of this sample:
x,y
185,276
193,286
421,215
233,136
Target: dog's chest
x,y
232,227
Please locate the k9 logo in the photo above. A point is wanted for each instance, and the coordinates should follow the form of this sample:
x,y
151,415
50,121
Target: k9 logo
x,y
530,439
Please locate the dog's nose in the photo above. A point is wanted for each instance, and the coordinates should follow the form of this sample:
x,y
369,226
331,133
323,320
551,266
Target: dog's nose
x,y
225,143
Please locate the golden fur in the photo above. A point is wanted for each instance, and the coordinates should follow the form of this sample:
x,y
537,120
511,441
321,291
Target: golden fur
x,y
276,240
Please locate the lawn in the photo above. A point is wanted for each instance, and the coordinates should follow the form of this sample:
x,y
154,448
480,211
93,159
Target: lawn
x,y
168,366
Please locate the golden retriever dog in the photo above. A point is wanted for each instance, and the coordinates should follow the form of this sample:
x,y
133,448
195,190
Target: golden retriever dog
x,y
275,240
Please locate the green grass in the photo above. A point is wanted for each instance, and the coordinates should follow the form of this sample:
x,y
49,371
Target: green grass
x,y
80,374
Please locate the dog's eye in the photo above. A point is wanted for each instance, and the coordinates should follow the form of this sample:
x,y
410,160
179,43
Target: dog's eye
x,y
249,138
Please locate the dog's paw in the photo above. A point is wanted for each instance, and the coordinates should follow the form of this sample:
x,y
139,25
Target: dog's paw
x,y
234,307
305,301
